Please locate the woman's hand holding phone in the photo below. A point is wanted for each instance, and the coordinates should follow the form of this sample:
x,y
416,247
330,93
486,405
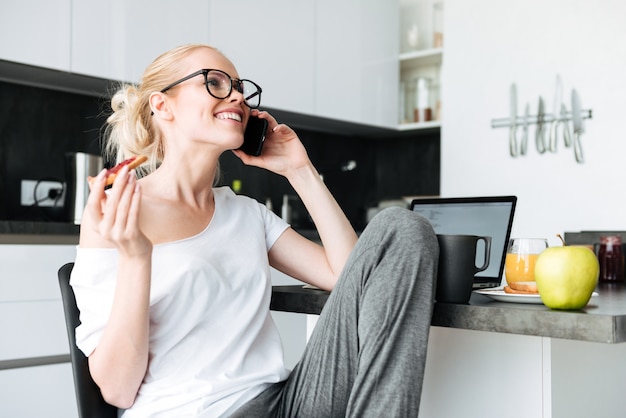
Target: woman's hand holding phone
x,y
282,149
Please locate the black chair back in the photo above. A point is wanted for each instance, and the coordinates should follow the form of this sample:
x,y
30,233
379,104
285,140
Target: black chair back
x,y
88,396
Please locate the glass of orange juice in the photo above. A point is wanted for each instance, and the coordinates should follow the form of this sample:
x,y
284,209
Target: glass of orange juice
x,y
521,255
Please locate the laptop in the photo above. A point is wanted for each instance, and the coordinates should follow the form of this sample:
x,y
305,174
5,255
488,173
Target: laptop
x,y
485,216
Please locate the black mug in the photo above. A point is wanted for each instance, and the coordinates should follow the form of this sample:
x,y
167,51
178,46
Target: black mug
x,y
457,266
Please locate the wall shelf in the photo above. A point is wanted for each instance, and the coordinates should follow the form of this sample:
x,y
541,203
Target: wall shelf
x,y
420,58
424,63
417,126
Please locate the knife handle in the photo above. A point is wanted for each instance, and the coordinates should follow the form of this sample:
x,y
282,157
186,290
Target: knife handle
x,y
553,126
524,141
567,136
513,141
541,147
578,149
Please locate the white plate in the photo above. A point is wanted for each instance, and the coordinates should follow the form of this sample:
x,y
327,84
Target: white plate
x,y
498,294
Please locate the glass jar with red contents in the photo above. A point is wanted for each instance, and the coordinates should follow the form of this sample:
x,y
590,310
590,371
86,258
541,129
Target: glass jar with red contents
x,y
611,259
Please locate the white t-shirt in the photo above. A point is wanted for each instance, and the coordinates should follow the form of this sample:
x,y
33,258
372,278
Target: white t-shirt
x,y
213,344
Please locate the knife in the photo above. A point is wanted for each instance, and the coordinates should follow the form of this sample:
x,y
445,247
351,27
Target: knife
x,y
558,97
541,147
567,135
523,145
513,129
579,126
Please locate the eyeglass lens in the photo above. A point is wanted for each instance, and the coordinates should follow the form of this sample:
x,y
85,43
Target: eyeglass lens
x,y
219,84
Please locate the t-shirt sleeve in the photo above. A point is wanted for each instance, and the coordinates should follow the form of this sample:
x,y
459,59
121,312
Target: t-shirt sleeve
x,y
274,226
93,281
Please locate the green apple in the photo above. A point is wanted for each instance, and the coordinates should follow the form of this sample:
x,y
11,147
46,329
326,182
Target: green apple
x,y
566,276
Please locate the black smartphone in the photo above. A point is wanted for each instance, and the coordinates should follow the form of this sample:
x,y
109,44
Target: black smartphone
x,y
254,136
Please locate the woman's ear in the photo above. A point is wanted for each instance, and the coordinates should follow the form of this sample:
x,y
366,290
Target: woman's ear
x,y
159,106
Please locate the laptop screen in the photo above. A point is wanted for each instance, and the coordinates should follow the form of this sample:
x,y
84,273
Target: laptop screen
x,y
484,216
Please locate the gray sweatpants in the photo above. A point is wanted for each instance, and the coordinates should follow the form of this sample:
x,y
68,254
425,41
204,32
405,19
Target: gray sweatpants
x,y
367,354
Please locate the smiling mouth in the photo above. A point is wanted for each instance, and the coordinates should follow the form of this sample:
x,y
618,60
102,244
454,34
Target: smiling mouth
x,y
229,116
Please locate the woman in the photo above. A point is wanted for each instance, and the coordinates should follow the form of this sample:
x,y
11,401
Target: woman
x,y
172,274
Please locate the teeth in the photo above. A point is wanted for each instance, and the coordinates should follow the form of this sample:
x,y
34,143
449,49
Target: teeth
x,y
229,115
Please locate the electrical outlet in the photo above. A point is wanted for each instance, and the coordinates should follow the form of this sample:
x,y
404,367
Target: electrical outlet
x,y
47,193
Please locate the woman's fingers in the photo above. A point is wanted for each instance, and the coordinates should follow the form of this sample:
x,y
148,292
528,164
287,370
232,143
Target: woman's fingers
x,y
133,212
96,188
113,212
119,227
262,114
93,207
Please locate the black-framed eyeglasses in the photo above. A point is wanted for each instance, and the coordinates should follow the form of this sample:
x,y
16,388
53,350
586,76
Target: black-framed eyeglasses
x,y
219,85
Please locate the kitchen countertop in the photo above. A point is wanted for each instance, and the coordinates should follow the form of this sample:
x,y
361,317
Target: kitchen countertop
x,y
602,320
32,232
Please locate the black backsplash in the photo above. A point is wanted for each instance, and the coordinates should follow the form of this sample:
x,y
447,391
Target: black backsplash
x,y
385,169
38,126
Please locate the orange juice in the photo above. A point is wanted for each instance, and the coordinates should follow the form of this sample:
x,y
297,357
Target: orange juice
x,y
520,267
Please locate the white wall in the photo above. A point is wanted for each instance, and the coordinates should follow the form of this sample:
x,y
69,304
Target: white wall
x,y
32,324
490,44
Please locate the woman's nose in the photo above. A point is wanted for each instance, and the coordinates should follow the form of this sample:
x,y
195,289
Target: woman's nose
x,y
235,96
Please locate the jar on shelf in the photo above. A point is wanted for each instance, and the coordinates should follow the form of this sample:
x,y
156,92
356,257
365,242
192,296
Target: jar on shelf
x,y
413,37
438,24
422,111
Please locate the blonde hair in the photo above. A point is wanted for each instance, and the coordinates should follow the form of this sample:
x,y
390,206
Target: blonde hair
x,y
130,129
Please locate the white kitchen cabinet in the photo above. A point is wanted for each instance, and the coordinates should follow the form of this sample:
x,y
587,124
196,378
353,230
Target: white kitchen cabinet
x,y
36,32
470,374
476,374
119,39
98,39
43,391
330,58
273,44
356,61
32,329
32,326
